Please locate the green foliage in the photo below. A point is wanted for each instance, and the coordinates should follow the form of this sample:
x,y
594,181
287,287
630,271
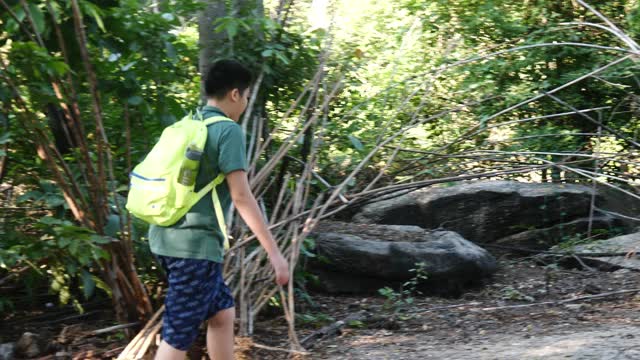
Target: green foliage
x,y
511,293
400,300
6,305
47,195
287,55
356,324
316,319
303,278
64,253
569,241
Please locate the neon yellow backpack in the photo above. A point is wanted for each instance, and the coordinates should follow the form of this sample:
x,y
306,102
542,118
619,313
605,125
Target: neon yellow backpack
x,y
155,195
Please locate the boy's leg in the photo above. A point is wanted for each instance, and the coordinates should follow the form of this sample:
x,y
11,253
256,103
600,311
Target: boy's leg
x,y
192,288
168,352
220,321
220,335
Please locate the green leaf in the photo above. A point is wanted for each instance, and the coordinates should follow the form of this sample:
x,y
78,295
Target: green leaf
x,y
135,100
38,17
78,306
97,239
267,53
88,284
83,258
128,66
171,51
282,58
73,248
483,121
49,220
58,67
232,29
134,46
13,26
64,296
56,12
114,57
356,143
309,243
122,187
54,200
64,241
100,254
306,253
112,227
355,323
94,12
102,285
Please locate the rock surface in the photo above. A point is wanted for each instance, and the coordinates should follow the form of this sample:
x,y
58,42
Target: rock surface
x,y
541,239
29,345
620,244
382,255
7,350
484,211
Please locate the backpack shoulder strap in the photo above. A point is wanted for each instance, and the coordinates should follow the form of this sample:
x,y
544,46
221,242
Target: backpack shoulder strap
x,y
216,205
218,208
198,114
216,119
212,187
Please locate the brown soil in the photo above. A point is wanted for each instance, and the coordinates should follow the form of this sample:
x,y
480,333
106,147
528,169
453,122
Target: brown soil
x,y
429,328
460,328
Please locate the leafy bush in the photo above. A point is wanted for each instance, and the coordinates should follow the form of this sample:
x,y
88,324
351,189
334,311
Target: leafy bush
x,y
64,254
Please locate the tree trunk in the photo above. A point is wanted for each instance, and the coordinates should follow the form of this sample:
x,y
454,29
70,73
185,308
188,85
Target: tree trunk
x,y
209,40
5,128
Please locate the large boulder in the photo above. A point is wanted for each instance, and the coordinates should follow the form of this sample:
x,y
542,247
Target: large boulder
x,y
484,211
617,245
540,239
357,258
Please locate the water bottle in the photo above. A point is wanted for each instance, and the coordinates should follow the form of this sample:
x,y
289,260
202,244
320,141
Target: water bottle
x,y
190,164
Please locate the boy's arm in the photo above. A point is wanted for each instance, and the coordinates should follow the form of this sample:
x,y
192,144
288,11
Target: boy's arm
x,y
247,206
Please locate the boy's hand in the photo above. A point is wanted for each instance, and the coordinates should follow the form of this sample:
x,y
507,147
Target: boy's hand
x,y
281,267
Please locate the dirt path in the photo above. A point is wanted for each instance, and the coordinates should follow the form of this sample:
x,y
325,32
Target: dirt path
x,y
466,328
608,342
469,327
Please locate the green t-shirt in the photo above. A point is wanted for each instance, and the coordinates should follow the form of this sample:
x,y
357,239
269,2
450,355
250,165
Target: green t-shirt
x,y
197,235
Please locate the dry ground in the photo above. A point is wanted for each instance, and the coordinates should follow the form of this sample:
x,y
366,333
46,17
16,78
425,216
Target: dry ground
x,y
468,327
429,328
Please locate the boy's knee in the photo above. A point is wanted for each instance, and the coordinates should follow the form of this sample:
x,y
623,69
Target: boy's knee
x,y
223,318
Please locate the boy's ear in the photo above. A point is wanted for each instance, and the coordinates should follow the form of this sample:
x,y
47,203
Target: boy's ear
x,y
235,94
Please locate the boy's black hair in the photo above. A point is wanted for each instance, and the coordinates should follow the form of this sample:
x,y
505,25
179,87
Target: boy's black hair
x,y
224,76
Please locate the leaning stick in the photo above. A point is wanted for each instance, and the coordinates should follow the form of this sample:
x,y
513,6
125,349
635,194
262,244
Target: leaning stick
x,y
271,348
141,334
147,341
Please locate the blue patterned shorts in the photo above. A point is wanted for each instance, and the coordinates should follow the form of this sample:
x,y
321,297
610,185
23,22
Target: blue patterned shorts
x,y
196,292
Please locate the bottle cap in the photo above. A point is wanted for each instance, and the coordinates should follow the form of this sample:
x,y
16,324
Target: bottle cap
x,y
193,154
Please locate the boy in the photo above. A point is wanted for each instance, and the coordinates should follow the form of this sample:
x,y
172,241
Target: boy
x,y
191,251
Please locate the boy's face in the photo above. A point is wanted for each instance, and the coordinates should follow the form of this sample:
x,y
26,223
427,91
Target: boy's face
x,y
239,102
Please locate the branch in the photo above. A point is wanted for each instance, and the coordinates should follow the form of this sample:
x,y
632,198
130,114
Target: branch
x,y
599,123
561,302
